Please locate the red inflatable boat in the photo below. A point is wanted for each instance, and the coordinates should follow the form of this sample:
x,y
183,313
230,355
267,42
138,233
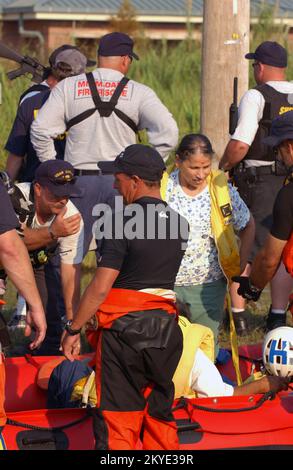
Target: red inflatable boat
x,y
245,422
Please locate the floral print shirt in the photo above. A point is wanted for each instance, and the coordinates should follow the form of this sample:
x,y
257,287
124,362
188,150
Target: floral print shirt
x,y
200,263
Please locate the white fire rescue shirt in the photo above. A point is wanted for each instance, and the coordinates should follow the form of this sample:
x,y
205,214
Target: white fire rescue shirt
x,y
101,138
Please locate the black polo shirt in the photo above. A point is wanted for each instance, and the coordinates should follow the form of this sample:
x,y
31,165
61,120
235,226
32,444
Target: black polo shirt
x,y
8,219
148,241
283,213
19,142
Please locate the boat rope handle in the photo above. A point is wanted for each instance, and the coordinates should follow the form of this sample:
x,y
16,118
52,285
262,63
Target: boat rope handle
x,y
267,396
184,403
12,422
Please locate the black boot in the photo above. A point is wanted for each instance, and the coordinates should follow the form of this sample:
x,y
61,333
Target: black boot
x,y
240,322
275,320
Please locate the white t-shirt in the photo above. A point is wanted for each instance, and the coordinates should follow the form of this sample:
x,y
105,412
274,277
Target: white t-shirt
x,y
71,247
200,263
251,110
206,380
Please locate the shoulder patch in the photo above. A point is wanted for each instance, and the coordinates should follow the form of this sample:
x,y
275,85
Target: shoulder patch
x,y
226,210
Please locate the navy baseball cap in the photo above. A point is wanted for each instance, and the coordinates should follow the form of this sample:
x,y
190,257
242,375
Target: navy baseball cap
x,y
65,47
270,53
116,44
58,177
281,130
140,160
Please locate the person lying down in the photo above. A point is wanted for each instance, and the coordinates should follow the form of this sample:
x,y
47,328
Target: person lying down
x,y
72,384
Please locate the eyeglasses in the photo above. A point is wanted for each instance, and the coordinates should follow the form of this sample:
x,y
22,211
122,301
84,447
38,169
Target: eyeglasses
x,y
131,58
255,64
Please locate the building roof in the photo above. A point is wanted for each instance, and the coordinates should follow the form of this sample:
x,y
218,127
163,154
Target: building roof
x,y
4,3
142,7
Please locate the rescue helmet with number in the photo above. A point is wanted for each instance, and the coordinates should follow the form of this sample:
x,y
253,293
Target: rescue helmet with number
x,y
278,351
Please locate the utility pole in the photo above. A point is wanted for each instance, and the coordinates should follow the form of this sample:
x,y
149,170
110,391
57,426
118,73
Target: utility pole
x,y
225,41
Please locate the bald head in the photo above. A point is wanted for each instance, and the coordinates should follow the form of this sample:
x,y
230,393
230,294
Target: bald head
x,y
119,63
264,73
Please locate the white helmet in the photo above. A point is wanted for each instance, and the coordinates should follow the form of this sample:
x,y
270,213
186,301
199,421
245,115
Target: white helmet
x,y
278,351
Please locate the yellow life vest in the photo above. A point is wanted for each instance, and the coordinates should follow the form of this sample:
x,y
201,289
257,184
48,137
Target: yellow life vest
x,y
225,240
221,221
194,336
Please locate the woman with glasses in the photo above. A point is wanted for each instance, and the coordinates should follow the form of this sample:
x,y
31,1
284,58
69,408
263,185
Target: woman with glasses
x,y
215,213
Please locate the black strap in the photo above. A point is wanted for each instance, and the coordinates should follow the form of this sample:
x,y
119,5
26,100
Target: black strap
x,y
12,422
24,209
104,108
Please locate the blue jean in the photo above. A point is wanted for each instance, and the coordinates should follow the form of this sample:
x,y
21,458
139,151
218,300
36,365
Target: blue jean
x,y
96,189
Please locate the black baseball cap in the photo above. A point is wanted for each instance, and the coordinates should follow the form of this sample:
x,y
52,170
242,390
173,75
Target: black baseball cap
x,y
281,130
140,160
58,177
65,47
116,44
270,53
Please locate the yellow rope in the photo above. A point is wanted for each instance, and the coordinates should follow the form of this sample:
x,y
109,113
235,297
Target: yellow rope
x,y
234,342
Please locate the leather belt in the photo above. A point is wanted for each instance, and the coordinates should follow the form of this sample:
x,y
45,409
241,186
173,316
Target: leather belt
x,y
261,170
86,172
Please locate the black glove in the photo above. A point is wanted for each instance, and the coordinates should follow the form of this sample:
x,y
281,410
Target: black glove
x,y
247,290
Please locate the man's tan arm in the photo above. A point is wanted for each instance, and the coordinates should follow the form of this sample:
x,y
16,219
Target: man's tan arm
x,y
234,153
35,238
15,260
94,295
13,165
92,298
268,383
267,261
70,277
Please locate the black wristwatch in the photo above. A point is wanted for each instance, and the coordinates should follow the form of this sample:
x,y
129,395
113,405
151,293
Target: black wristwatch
x,y
69,330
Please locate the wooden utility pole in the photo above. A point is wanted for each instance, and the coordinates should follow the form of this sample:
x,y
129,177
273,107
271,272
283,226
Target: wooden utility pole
x,y
225,42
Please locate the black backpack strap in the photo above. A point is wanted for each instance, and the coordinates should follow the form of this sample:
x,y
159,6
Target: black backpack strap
x,y
94,92
105,108
126,119
79,118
